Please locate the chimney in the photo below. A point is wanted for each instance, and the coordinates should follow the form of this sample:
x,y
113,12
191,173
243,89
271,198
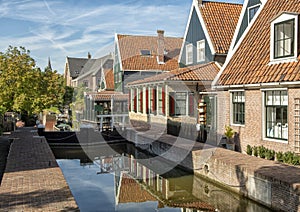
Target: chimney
x,y
160,46
198,2
89,55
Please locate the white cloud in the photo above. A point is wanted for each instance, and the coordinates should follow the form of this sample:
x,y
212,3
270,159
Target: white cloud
x,y
61,29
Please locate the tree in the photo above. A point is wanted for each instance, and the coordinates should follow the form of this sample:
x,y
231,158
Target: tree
x,y
18,80
24,87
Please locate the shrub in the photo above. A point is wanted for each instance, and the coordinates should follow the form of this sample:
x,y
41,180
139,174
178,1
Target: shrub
x,y
270,154
262,151
255,151
288,157
249,150
279,156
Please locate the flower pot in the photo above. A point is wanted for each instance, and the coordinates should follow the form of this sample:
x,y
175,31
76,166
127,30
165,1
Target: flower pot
x,y
230,146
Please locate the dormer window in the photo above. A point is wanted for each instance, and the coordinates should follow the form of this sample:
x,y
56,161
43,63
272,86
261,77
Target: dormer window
x,y
145,52
284,38
252,11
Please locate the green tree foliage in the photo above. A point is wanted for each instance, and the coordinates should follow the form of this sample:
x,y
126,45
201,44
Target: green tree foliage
x,y
24,87
68,96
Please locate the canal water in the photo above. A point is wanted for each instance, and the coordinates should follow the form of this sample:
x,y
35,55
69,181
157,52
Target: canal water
x,y
119,177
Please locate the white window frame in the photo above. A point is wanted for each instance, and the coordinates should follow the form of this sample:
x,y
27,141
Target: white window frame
x,y
264,115
189,50
280,19
201,50
250,8
232,109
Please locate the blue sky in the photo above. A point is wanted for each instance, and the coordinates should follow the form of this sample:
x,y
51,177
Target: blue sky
x,y
60,28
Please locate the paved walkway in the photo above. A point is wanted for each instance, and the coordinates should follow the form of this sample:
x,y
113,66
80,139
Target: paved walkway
x,y
32,180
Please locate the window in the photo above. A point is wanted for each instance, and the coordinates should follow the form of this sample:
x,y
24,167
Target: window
x,y
201,50
180,102
238,107
145,52
152,100
252,11
276,103
189,54
284,39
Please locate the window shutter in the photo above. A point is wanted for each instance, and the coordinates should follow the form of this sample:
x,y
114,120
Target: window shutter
x,y
163,100
134,101
147,101
129,101
141,100
172,104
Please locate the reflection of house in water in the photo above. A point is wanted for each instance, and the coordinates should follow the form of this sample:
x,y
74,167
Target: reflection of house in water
x,y
110,164
141,184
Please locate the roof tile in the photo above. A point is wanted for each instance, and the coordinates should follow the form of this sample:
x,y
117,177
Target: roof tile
x,y
250,63
221,20
203,72
130,50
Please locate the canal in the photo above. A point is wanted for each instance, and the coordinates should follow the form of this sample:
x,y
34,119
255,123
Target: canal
x,y
119,177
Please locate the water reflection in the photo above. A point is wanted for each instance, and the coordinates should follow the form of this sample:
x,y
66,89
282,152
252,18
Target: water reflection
x,y
120,179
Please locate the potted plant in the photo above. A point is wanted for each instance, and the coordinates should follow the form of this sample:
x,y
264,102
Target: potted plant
x,y
229,133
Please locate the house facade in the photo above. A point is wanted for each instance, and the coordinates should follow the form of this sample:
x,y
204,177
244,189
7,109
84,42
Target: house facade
x,y
138,57
73,68
170,99
93,72
182,99
259,85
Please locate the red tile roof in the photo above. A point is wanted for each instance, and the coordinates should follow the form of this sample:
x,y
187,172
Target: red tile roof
x,y
221,20
250,63
109,79
203,72
131,191
130,51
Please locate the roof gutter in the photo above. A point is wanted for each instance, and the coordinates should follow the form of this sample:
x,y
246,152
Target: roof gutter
x,y
257,85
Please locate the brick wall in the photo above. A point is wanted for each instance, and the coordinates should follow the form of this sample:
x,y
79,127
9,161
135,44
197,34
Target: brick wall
x,y
252,132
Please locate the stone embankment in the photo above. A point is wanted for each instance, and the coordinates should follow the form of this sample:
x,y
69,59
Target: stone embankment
x,y
270,183
32,180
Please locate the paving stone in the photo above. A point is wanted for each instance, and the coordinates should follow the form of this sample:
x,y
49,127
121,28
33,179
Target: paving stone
x,y
33,180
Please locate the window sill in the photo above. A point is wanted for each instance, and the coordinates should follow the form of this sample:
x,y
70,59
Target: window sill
x,y
283,60
237,125
276,140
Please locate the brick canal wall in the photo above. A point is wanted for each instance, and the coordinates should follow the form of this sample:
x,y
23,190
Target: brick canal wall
x,y
32,180
271,183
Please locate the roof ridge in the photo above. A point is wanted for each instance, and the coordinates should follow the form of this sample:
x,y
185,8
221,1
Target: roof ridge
x,y
221,2
154,36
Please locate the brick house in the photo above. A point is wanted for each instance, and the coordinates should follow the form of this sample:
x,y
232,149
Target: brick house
x,y
138,57
181,98
259,93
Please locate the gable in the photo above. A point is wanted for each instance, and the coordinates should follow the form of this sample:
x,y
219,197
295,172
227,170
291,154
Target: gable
x,y
195,32
245,18
251,62
215,22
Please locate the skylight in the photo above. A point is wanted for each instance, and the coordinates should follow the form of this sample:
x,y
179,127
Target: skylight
x,y
145,52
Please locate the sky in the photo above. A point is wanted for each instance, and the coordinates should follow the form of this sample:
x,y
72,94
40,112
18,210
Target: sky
x,y
61,28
